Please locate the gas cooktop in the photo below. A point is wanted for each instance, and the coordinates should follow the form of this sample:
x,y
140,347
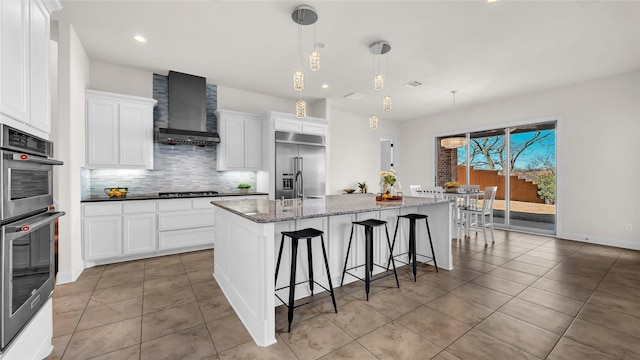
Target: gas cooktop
x,y
179,194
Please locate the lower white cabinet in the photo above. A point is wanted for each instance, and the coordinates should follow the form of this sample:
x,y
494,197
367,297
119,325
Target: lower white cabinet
x,y
185,222
139,227
103,237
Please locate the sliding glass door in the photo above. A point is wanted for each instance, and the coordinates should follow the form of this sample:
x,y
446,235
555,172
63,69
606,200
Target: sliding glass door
x,y
520,161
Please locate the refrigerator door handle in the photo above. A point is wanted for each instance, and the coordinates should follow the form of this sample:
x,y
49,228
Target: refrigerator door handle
x,y
298,184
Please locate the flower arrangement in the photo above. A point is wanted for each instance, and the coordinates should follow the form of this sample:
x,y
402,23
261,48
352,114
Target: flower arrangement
x,y
388,177
452,185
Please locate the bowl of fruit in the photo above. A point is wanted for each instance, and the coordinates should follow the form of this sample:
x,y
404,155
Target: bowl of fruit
x,y
116,192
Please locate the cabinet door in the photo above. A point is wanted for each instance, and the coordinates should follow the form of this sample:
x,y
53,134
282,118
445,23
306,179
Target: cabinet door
x,y
135,135
253,144
102,237
234,142
140,233
39,83
310,128
14,66
102,133
185,238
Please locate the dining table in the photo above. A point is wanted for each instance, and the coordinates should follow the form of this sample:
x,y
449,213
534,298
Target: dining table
x,y
462,198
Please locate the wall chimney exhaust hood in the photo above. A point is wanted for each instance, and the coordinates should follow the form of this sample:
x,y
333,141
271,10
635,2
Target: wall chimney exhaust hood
x,y
187,112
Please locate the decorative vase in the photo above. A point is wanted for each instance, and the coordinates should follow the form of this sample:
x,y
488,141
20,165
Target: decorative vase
x,y
386,188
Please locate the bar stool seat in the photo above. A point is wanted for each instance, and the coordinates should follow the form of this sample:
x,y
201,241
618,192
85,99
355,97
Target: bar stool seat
x,y
412,242
295,236
369,264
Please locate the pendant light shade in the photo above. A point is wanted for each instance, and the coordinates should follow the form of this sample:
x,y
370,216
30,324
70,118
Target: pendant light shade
x,y
301,109
314,60
373,122
453,142
298,80
386,103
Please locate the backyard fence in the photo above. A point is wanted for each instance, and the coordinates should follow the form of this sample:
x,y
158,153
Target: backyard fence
x,y
521,189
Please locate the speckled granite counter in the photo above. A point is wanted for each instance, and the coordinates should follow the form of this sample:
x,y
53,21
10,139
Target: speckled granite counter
x,y
247,241
267,211
157,197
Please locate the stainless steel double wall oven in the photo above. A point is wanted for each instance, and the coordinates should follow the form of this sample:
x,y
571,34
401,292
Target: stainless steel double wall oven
x,y
27,228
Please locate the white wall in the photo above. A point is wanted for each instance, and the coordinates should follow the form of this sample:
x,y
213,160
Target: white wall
x,y
249,102
73,78
597,144
121,80
355,151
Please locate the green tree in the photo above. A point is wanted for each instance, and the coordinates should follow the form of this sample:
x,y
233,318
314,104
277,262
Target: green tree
x,y
547,188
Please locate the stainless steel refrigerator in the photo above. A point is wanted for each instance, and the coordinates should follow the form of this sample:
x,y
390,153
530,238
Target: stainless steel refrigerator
x,y
300,165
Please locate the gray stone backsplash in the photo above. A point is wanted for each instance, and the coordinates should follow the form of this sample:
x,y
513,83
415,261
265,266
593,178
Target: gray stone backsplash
x,y
175,168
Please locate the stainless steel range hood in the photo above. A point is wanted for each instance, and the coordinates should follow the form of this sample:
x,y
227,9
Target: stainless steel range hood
x,y
187,112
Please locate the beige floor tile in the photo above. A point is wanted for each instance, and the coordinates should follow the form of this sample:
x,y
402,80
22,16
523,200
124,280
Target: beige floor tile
x,y
116,279
490,259
171,320
419,291
105,314
325,305
499,284
532,339
123,268
300,315
165,283
356,318
513,275
66,323
616,303
552,301
116,293
169,298
526,267
624,276
609,318
68,303
128,353
589,272
193,343
104,339
156,272
579,280
394,341
482,295
197,255
567,349
475,265
520,248
441,281
391,303
623,291
547,255
76,287
59,346
561,288
228,332
605,340
251,351
540,316
195,265
463,274
162,261
587,263
315,337
215,308
479,346
434,326
460,309
351,351
504,253
207,290
200,276
445,355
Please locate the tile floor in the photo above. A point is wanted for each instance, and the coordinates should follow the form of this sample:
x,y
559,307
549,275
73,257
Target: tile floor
x,y
525,297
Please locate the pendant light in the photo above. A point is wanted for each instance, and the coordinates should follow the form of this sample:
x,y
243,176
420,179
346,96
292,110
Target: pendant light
x,y
378,49
373,122
304,15
453,142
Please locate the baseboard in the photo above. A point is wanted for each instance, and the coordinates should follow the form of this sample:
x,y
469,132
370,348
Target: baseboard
x,y
69,276
626,244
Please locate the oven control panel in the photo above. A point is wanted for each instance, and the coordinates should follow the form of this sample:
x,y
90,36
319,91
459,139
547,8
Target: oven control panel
x,y
17,140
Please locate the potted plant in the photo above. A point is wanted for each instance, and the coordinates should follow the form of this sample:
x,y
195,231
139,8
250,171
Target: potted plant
x,y
244,187
451,186
363,187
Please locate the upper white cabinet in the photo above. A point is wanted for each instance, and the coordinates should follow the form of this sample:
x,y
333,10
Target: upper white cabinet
x,y
308,125
24,63
240,147
119,131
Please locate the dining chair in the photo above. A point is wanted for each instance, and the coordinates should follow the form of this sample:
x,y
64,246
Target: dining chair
x,y
476,216
434,192
416,191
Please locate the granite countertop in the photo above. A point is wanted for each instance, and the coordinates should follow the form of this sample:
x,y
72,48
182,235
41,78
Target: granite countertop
x,y
268,211
156,196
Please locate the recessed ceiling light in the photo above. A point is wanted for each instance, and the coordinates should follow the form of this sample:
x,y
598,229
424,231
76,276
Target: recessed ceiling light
x,y
140,38
413,84
354,96
324,86
490,1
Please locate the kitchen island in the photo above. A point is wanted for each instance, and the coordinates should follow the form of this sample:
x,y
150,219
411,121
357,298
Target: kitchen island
x,y
248,236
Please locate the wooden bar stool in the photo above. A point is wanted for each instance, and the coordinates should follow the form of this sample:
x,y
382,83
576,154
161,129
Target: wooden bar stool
x,y
412,241
308,234
369,264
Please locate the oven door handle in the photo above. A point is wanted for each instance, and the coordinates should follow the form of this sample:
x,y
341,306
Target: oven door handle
x,y
39,220
36,159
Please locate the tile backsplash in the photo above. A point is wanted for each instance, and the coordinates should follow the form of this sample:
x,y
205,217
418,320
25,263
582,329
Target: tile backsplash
x,y
175,168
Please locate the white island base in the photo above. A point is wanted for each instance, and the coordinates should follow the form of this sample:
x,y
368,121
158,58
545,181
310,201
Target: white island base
x,y
248,237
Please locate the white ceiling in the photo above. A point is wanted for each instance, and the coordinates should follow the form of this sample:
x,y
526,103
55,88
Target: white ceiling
x,y
485,51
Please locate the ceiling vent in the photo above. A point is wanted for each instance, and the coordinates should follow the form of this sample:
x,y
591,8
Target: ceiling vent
x,y
354,96
413,84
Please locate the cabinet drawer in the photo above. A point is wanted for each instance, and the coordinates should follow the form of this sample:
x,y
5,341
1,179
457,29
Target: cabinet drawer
x,y
101,209
204,203
288,125
139,207
185,238
174,204
186,219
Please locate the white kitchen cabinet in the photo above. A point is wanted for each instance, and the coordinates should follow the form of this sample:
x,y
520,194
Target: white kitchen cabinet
x,y
184,223
119,131
24,63
139,227
240,147
308,125
102,237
